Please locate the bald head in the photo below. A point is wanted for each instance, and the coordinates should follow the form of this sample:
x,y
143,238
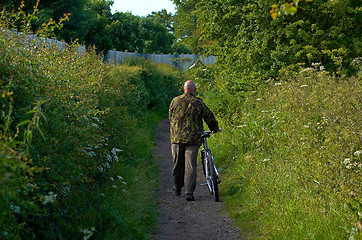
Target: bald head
x,y
189,87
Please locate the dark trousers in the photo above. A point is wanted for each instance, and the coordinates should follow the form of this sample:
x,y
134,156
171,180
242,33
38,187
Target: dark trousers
x,y
184,166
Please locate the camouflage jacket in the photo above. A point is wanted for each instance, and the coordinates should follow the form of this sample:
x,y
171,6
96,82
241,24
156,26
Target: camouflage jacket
x,y
186,113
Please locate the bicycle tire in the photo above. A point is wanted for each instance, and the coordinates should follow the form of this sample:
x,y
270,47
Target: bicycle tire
x,y
208,175
214,180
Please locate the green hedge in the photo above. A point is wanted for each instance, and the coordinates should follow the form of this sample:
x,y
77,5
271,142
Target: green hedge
x,y
76,142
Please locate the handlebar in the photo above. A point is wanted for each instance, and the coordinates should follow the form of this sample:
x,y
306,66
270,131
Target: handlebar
x,y
206,134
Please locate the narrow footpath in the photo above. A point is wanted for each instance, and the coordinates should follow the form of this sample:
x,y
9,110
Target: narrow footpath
x,y
181,220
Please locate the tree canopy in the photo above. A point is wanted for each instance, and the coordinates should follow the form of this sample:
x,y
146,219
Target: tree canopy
x,y
92,23
252,47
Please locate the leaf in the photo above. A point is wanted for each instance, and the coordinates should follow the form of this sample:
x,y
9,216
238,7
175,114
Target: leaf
x,y
274,15
291,10
23,123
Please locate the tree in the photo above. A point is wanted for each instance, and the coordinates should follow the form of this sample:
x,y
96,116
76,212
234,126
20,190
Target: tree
x,y
185,24
252,48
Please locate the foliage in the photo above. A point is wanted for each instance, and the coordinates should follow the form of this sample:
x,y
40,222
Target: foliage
x,y
92,23
291,154
251,47
186,24
75,145
285,8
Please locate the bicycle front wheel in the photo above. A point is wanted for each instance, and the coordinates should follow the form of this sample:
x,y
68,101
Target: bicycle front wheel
x,y
213,180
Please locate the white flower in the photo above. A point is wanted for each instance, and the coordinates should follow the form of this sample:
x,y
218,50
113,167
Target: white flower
x,y
304,86
107,165
91,154
111,178
114,186
278,83
347,161
15,209
109,158
266,159
306,69
259,99
119,177
49,198
87,233
115,150
357,153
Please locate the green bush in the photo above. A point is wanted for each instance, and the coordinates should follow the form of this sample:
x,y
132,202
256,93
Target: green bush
x,y
75,142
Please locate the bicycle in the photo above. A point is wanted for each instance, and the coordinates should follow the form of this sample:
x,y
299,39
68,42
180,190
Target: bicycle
x,y
209,168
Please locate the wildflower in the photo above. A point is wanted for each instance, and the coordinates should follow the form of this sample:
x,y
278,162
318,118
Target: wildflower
x,y
259,99
306,69
114,186
91,154
304,86
49,198
266,159
15,209
111,178
107,165
278,83
347,161
357,153
119,177
115,150
87,233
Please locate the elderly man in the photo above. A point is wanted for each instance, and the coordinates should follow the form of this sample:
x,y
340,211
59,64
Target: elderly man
x,y
186,115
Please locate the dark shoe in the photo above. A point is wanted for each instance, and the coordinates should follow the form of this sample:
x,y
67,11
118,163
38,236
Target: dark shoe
x,y
177,192
190,197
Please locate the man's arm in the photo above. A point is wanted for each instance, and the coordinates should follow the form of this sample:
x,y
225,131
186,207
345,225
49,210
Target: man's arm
x,y
210,119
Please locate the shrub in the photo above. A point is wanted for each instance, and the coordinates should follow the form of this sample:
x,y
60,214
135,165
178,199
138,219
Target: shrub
x,y
75,142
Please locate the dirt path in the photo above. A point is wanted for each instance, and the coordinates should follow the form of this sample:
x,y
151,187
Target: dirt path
x,y
179,219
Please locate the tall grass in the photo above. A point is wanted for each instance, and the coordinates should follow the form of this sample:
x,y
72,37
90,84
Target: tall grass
x,y
292,157
75,142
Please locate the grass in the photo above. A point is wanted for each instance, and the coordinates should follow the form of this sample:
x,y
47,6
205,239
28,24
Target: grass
x,y
293,168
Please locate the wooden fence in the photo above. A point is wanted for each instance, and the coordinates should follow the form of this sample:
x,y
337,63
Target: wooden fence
x,y
180,61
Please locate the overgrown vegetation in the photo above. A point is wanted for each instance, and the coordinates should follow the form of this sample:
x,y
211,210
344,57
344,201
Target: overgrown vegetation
x,y
291,145
288,95
76,141
292,158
